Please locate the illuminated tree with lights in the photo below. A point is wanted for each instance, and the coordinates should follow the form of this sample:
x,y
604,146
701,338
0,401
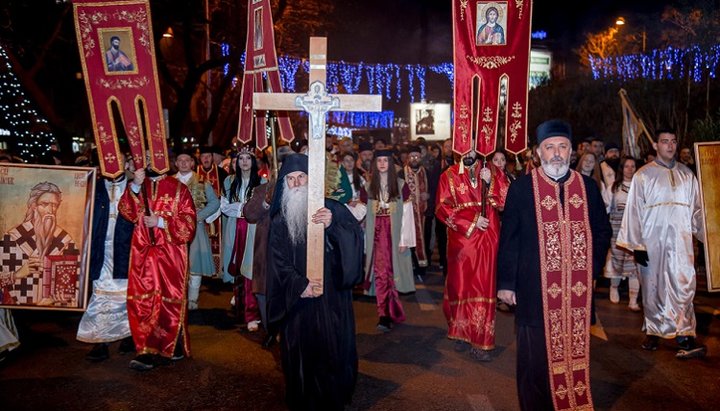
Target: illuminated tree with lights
x,y
30,133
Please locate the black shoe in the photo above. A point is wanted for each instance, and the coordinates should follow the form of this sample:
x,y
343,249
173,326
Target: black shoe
x,y
651,343
461,346
127,345
160,361
143,362
385,324
98,353
685,342
696,351
179,352
481,355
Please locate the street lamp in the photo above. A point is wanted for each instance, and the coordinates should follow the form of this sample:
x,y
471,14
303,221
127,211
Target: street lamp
x,y
620,21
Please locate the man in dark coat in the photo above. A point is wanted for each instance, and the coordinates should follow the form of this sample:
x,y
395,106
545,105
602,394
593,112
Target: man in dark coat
x,y
317,332
553,242
105,319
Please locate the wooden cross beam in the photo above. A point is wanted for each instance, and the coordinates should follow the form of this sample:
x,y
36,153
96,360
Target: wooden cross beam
x,y
316,102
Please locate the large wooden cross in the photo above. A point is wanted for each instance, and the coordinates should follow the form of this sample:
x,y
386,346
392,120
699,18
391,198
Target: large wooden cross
x,y
316,102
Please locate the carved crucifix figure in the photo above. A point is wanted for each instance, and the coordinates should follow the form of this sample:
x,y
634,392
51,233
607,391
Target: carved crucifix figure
x,y
316,102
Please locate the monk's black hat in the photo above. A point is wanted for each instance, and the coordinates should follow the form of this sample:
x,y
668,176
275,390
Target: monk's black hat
x,y
383,153
291,163
414,149
365,146
553,128
211,149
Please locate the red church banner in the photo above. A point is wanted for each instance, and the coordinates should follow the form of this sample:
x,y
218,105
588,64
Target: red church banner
x,y
492,60
260,57
118,59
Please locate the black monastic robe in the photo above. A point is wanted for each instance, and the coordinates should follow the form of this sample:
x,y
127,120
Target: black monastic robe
x,y
317,335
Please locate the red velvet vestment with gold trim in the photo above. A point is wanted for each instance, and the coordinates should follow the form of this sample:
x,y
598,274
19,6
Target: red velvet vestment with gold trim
x,y
566,264
157,281
469,301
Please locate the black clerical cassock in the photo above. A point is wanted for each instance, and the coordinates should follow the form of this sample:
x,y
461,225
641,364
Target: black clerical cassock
x,y
317,335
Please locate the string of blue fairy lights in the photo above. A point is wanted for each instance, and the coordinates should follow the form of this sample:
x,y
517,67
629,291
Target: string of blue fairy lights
x,y
669,63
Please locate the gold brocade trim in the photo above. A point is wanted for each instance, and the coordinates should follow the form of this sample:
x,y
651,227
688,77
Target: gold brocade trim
x,y
451,184
491,62
553,246
668,203
473,300
450,223
463,6
672,180
472,226
172,300
565,238
143,296
121,84
125,210
183,232
463,206
519,6
579,244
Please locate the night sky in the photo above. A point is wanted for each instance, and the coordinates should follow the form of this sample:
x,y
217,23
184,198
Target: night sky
x,y
420,31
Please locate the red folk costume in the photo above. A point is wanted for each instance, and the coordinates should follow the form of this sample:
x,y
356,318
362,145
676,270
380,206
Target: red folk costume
x,y
417,182
469,301
157,280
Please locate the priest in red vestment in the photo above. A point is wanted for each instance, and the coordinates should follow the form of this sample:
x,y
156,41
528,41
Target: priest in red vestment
x,y
157,280
469,197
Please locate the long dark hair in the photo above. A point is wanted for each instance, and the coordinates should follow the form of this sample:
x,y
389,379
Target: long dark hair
x,y
356,179
374,193
619,172
237,181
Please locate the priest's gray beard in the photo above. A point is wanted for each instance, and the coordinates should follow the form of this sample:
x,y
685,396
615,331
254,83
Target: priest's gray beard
x,y
294,208
556,167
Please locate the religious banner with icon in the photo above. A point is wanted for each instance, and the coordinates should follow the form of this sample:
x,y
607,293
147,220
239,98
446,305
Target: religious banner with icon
x,y
492,61
260,57
708,156
117,52
45,227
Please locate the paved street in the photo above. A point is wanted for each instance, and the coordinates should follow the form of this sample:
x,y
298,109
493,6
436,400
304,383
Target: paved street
x,y
414,367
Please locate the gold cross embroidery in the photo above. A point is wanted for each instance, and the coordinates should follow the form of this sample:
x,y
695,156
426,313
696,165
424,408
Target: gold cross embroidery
x,y
462,188
166,200
576,201
548,202
554,290
579,289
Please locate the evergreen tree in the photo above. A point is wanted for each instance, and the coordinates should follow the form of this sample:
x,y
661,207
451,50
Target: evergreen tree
x,y
29,133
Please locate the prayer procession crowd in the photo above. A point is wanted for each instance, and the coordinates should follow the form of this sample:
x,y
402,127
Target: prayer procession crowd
x,y
530,234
